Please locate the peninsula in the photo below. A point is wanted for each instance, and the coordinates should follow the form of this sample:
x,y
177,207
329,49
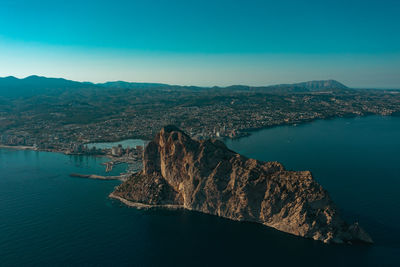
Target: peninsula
x,y
205,176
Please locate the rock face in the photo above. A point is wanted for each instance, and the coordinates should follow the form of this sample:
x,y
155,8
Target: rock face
x,y
206,176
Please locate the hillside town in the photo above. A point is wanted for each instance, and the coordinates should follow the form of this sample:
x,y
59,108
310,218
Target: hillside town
x,y
63,125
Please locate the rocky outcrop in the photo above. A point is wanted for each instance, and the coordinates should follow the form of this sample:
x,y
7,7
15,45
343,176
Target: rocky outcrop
x,y
206,176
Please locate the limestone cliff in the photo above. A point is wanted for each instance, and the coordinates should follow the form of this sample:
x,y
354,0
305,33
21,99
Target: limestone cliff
x,y
206,176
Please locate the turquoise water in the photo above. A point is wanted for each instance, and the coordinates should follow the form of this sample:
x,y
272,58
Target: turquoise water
x,y
50,219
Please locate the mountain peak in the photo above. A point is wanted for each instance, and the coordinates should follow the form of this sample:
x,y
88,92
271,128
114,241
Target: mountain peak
x,y
206,176
35,77
322,84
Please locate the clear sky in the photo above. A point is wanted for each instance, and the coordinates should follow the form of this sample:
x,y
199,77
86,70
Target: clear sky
x,y
204,42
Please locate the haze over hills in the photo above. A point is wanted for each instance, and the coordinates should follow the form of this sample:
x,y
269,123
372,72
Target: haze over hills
x,y
37,85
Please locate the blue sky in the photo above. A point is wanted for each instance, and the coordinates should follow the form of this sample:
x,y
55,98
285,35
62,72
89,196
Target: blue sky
x,y
203,42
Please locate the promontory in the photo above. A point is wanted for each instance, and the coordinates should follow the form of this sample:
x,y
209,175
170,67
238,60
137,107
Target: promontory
x,y
208,177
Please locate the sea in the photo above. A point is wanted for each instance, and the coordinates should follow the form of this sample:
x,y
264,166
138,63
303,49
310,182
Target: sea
x,y
48,218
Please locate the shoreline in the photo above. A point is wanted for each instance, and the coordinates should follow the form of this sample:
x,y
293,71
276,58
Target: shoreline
x,y
100,177
121,177
249,131
31,148
246,133
139,206
19,147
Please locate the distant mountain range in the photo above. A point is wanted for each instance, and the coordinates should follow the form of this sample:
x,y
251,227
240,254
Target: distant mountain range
x,y
316,85
37,85
132,85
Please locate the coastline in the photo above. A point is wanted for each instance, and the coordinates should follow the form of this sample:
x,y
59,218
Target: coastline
x,y
122,177
19,147
249,131
244,133
138,205
262,236
99,177
50,151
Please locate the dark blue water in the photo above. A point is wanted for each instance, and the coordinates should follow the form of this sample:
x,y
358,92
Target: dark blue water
x,y
48,218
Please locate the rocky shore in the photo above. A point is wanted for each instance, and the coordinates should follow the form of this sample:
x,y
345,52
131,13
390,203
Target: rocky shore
x,y
142,205
99,177
206,176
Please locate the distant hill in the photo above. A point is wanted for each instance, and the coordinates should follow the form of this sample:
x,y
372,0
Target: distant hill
x,y
319,85
310,86
37,85
314,85
132,85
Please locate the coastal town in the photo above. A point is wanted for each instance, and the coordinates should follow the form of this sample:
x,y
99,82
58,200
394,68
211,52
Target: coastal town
x,y
199,133
68,121
132,156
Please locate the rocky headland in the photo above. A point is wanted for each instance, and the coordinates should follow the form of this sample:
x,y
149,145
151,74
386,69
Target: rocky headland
x,y
205,176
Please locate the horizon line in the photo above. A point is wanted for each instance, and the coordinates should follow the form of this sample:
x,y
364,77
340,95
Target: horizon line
x,y
192,85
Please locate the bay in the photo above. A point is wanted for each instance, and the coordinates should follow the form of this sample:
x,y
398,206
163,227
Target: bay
x,y
48,218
